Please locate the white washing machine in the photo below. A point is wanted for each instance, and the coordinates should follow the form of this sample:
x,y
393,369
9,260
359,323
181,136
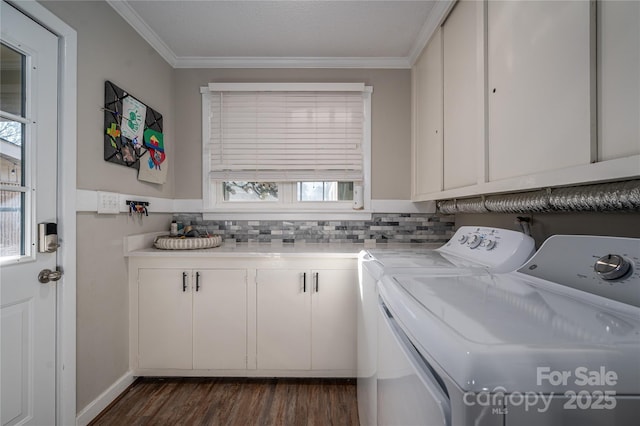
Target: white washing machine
x,y
493,249
555,343
472,250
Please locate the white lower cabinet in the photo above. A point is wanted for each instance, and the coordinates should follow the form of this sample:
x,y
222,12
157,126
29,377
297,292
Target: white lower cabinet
x,y
164,320
283,320
220,319
306,319
334,313
243,317
192,319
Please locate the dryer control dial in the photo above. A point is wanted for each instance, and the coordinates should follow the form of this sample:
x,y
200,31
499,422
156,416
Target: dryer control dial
x,y
463,239
490,244
611,267
475,241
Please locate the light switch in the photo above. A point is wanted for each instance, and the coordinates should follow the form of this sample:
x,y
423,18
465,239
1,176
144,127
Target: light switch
x,y
108,203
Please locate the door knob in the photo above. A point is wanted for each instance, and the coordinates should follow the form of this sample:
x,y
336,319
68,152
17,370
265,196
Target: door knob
x,y
47,275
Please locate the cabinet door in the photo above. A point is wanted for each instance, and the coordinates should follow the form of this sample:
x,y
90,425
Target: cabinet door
x,y
220,319
334,319
283,319
427,120
540,87
463,83
164,319
619,79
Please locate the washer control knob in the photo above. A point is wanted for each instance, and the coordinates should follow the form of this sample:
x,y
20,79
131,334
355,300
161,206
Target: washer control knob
x,y
463,239
612,267
490,244
474,241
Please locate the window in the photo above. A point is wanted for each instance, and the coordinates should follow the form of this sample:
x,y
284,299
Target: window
x,y
324,191
15,197
285,147
250,191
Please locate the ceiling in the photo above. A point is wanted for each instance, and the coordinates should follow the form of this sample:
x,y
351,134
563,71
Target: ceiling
x,y
285,33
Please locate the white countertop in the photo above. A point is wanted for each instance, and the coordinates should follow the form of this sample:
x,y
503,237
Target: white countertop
x,y
258,250
140,246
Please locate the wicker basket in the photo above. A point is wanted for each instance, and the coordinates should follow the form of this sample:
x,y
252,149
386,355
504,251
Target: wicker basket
x,y
166,242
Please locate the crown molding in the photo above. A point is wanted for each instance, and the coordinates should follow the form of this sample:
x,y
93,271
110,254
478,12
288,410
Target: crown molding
x,y
137,23
293,62
436,17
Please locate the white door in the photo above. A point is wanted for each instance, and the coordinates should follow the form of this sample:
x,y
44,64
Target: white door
x,y
28,158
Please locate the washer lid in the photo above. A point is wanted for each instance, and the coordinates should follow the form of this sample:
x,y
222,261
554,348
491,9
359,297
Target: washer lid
x,y
419,258
488,332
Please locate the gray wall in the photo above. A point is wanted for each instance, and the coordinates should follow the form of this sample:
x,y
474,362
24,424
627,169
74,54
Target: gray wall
x,y
391,125
103,299
109,49
543,225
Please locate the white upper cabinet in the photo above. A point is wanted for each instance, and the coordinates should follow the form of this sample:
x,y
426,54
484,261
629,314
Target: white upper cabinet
x,y
540,85
618,79
532,94
427,120
463,95
520,95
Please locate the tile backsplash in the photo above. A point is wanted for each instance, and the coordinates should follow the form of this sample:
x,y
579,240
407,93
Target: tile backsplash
x,y
382,228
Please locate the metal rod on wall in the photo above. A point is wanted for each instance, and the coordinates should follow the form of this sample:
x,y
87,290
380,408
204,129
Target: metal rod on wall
x,y
607,197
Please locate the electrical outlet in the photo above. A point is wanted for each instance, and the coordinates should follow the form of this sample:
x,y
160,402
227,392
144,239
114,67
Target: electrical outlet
x,y
108,203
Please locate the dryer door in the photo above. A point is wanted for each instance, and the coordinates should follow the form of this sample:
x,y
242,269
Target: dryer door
x,y
408,393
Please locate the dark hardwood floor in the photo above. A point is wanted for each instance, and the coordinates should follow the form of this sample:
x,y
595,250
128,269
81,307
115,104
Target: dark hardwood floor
x,y
234,401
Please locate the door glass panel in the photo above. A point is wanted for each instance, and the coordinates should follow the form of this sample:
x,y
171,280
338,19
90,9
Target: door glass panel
x,y
12,158
11,223
11,148
11,81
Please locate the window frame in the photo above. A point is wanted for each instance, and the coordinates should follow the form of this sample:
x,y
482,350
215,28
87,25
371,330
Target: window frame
x,y
214,205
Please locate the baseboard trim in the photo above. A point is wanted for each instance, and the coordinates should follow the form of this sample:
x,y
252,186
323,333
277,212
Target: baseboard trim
x,y
95,407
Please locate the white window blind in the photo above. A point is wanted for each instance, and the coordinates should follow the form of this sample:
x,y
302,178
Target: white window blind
x,y
285,136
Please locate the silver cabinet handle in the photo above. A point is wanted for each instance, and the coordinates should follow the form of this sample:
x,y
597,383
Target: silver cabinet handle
x,y
317,281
